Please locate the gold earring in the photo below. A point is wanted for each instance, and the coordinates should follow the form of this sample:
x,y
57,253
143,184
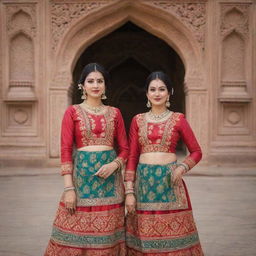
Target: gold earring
x,y
84,96
148,104
167,103
103,96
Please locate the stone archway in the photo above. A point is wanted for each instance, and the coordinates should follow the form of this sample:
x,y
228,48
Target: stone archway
x,y
130,54
156,21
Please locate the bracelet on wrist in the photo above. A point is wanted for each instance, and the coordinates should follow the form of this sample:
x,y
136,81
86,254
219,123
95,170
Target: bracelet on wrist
x,y
119,163
69,188
129,192
185,166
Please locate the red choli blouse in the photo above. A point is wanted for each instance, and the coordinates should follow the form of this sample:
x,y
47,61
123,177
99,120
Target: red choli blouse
x,y
83,128
162,136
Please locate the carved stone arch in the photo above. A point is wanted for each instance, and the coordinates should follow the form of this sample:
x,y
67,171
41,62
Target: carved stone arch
x,y
227,33
21,17
233,57
95,25
25,32
230,16
21,55
234,17
126,89
122,60
122,90
99,23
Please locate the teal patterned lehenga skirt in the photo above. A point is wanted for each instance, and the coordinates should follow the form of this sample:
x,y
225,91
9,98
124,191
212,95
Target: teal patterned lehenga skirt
x,y
97,227
163,224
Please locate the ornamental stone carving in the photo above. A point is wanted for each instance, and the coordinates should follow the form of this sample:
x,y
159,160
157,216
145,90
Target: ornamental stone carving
x,y
20,116
21,17
191,13
65,13
234,17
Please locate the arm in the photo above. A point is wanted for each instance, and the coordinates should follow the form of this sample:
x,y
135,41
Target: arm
x,y
190,140
130,172
67,140
121,140
133,158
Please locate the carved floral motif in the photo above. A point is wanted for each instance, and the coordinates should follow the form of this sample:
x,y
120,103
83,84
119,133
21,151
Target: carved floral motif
x,y
240,25
64,13
191,13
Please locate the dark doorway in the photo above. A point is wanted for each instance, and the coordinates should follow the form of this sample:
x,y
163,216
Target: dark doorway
x,y
130,54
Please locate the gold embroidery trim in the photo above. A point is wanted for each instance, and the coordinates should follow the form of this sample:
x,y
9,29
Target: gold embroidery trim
x,y
86,129
66,168
129,187
129,175
190,162
165,143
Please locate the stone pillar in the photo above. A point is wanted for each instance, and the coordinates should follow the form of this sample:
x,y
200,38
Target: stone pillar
x,y
197,111
22,136
233,138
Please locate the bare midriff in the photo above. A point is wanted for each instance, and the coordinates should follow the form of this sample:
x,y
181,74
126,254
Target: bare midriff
x,y
95,148
157,158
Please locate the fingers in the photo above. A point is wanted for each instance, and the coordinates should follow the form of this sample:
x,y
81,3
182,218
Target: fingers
x,y
103,172
71,208
130,209
177,179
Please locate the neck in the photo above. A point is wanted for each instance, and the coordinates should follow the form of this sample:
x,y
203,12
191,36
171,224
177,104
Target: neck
x,y
158,109
93,102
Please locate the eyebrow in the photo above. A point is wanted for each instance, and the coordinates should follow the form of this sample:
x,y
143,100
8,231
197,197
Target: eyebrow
x,y
91,78
162,86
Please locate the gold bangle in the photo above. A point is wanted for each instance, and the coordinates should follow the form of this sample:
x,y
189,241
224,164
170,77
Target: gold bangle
x,y
186,167
69,188
118,165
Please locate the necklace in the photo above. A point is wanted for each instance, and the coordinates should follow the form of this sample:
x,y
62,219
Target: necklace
x,y
157,117
95,110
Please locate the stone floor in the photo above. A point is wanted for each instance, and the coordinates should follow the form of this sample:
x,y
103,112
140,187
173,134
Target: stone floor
x,y
223,199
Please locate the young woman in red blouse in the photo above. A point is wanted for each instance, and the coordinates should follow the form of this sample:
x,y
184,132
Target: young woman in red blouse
x,y
160,220
90,216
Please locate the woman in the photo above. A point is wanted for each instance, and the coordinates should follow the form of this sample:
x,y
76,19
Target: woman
x,y
160,220
90,217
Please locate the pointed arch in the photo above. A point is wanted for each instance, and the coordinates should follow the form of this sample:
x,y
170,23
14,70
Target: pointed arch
x,y
105,20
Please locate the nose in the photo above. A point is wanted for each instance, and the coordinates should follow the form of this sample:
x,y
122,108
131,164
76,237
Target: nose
x,y
95,84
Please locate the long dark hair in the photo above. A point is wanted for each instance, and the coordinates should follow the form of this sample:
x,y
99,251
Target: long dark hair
x,y
92,67
163,77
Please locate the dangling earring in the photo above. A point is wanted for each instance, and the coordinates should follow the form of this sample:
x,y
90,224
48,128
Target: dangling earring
x,y
167,103
84,96
103,96
148,104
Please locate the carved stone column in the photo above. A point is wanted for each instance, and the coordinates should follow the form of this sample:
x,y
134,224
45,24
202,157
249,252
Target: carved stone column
x,y
197,111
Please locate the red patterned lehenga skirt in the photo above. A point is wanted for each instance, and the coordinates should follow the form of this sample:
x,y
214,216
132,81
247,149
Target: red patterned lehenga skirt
x,y
97,227
163,224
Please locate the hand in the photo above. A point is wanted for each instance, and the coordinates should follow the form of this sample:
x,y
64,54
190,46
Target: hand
x,y
130,203
70,201
106,170
177,175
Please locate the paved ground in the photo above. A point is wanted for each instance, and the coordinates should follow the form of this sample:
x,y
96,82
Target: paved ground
x,y
223,200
